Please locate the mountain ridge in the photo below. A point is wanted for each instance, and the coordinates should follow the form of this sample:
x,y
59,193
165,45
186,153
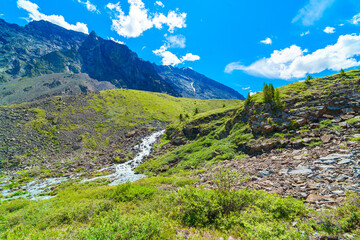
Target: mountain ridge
x,y
42,48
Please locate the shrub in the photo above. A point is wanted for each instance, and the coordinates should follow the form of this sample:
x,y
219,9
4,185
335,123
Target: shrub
x,y
129,192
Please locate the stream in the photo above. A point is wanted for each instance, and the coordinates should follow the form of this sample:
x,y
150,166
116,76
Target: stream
x,y
124,172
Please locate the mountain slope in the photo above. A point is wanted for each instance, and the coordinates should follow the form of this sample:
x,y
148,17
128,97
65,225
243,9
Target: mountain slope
x,y
42,48
192,84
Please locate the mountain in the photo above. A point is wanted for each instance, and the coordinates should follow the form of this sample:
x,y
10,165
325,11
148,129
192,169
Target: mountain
x,y
191,84
41,48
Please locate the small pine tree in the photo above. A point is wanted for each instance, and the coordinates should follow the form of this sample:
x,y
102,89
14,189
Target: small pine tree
x,y
181,118
277,99
248,101
187,115
224,105
342,73
271,96
308,78
268,91
196,111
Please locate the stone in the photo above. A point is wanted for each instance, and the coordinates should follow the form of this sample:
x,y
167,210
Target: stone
x,y
301,170
262,174
326,138
335,156
345,161
344,124
313,197
330,162
338,192
342,178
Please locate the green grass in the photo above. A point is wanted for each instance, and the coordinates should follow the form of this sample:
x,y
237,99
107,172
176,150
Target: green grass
x,y
127,108
143,211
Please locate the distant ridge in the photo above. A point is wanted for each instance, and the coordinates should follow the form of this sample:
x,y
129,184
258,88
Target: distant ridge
x,y
41,48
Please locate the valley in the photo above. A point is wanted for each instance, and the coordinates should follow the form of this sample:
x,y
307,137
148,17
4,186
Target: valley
x,y
221,168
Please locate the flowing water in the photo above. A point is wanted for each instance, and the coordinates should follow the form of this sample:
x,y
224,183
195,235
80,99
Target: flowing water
x,y
123,173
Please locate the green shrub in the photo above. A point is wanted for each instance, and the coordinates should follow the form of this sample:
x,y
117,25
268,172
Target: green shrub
x,y
130,192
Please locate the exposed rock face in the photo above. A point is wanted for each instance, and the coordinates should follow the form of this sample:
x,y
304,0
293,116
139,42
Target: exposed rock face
x,y
191,84
55,84
109,61
41,48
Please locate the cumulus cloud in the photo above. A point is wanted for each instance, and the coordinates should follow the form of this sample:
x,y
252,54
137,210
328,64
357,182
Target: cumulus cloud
x,y
305,33
190,57
159,3
91,7
175,41
293,62
139,19
117,41
312,11
34,14
168,58
356,19
329,30
267,41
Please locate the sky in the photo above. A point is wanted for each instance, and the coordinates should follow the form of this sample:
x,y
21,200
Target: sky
x,y
242,44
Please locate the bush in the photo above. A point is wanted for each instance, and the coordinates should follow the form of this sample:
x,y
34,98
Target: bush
x,y
129,192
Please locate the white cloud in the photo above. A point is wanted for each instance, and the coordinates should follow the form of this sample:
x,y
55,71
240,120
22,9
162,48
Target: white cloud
x,y
267,41
117,41
59,20
292,62
139,19
246,88
91,7
159,3
329,30
312,12
168,58
176,41
341,24
305,33
190,57
356,19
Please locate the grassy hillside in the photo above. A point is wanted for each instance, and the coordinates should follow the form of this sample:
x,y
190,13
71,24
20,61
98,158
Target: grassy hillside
x,y
74,129
204,178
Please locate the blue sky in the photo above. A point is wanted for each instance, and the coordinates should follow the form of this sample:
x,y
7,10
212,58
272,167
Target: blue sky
x,y
239,43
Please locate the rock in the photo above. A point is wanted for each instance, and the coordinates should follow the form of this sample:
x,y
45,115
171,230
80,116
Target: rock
x,y
326,138
335,156
344,124
338,192
313,198
342,178
131,134
345,161
268,128
301,170
262,174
